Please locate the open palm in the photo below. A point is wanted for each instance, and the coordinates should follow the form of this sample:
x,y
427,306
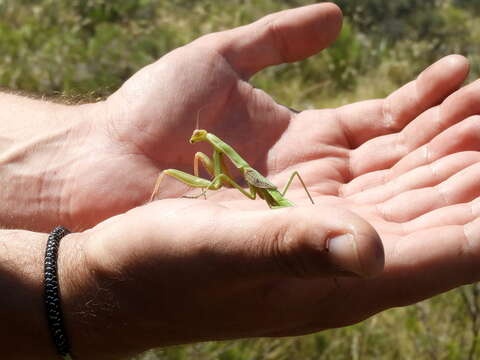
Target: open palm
x,y
407,165
339,152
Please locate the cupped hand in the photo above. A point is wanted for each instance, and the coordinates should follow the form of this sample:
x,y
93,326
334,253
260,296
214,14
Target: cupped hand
x,y
182,270
144,127
147,122
400,169
395,221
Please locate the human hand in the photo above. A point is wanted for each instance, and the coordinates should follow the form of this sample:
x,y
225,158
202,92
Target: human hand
x,y
181,270
255,272
229,267
112,159
144,127
381,159
147,122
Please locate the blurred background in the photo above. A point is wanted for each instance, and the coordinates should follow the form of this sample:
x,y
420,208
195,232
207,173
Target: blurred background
x,y
83,50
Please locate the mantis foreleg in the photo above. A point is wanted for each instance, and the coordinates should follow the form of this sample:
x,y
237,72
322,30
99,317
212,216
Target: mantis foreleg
x,y
209,165
206,162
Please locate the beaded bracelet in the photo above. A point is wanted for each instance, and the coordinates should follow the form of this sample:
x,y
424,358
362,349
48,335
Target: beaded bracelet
x,y
52,293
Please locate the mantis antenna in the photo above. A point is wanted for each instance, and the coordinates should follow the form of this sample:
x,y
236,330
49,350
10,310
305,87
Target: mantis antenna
x,y
197,122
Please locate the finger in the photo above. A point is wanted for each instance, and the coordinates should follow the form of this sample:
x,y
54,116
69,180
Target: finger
x,y
334,242
364,182
417,266
306,242
455,108
286,36
457,214
459,188
430,262
367,120
464,136
424,176
302,242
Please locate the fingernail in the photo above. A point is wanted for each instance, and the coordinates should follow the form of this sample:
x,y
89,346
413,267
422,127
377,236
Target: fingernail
x,y
343,254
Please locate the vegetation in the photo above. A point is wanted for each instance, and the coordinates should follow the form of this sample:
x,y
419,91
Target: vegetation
x,y
86,48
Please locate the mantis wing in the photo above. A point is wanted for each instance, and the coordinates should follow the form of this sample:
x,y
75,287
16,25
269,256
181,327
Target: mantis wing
x,y
253,177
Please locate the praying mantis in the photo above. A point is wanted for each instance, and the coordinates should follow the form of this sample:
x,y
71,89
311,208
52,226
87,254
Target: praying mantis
x,y
216,167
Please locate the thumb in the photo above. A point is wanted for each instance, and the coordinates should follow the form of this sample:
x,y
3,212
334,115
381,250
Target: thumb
x,y
209,240
318,241
285,36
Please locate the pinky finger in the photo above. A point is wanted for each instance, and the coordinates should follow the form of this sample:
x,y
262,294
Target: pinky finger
x,y
428,263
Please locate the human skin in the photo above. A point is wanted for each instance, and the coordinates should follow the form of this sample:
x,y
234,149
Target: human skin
x,y
397,174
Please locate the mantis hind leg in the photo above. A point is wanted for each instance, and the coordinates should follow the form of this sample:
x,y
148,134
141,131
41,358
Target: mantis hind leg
x,y
303,184
187,179
222,179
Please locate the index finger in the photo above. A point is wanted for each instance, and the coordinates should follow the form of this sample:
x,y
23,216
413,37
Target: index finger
x,y
366,120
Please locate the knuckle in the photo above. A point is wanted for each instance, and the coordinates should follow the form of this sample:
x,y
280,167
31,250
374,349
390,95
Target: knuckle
x,y
391,119
293,252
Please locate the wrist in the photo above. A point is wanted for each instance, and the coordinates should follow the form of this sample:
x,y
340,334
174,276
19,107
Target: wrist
x,y
22,303
99,321
42,144
22,306
87,307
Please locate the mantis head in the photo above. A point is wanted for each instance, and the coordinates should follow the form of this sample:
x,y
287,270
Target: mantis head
x,y
198,135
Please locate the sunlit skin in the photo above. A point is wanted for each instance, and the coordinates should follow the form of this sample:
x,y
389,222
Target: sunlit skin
x,y
374,167
395,179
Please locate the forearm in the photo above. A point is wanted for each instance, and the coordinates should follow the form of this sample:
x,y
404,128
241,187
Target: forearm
x,y
24,326
40,144
87,313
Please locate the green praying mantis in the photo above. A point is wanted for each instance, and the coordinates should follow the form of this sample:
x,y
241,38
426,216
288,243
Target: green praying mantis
x,y
216,167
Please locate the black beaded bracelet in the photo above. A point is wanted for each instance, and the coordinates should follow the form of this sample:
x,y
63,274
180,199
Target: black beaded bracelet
x,y
52,293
